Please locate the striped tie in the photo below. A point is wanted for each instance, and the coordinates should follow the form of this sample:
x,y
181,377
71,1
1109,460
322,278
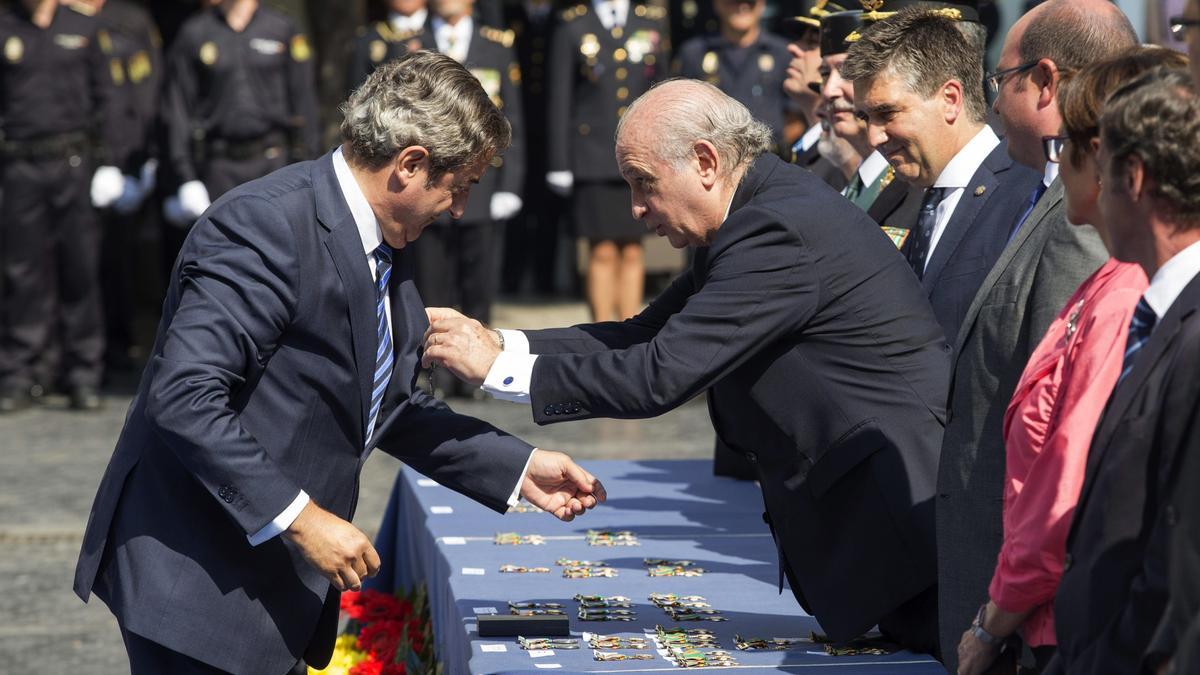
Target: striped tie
x,y
1140,327
926,220
383,356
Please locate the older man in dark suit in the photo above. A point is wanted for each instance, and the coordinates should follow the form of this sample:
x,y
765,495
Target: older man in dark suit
x,y
822,360
1114,586
287,351
1045,261
934,134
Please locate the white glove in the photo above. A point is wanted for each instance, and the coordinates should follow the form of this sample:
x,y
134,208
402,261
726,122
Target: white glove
x,y
560,182
131,197
193,199
107,186
174,214
149,176
504,205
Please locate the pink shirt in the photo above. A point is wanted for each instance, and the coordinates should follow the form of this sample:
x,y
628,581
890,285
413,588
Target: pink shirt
x,y
1047,432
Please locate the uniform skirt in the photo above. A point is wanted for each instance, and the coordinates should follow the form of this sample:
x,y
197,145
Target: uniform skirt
x,y
602,212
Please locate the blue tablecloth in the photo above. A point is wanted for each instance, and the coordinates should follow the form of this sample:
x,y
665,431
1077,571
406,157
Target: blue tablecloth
x,y
678,510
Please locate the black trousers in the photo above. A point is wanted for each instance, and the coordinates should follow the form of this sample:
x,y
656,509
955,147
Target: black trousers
x,y
51,325
455,267
150,658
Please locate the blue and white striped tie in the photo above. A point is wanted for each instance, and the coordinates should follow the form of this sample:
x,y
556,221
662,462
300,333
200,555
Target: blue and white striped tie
x,y
1140,327
383,355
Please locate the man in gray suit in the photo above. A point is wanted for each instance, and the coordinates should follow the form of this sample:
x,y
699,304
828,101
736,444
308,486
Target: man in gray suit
x,y
1041,266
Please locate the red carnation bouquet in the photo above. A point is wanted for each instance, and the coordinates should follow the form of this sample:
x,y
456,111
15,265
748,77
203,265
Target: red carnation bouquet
x,y
385,635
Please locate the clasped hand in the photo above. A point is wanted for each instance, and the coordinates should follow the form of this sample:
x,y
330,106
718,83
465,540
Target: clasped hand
x,y
459,344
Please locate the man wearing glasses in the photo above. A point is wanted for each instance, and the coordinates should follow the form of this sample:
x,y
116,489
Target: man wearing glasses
x,y
1043,263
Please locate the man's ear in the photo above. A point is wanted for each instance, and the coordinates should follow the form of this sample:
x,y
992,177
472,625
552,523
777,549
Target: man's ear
x,y
1135,178
410,162
707,162
1046,77
953,101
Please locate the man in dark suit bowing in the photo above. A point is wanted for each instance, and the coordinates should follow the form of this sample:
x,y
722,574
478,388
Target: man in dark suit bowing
x,y
287,351
822,360
916,83
1114,587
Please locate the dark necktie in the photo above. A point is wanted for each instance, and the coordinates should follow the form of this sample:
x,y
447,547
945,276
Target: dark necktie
x,y
383,355
1029,206
855,188
1140,327
926,220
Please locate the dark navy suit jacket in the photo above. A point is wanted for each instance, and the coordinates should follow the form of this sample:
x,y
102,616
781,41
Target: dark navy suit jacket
x,y
258,386
824,366
977,232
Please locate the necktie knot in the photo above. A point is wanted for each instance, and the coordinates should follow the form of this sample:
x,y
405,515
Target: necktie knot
x,y
383,254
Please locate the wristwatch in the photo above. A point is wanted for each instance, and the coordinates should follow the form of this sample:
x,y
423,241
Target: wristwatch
x,y
982,635
499,337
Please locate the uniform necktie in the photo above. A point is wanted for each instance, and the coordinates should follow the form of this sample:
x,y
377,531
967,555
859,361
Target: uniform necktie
x,y
383,355
854,189
1140,327
926,220
1029,206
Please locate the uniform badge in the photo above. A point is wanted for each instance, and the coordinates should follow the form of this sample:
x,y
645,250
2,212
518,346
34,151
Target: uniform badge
x,y
105,41
71,42
208,53
378,50
888,177
641,44
490,79
14,49
116,71
267,47
709,63
139,67
300,49
896,234
980,190
766,63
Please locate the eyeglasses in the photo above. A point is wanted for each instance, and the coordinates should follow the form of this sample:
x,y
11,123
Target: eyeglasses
x,y
1052,146
997,78
1179,26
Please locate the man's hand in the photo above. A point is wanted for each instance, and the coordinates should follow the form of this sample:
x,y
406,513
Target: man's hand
x,y
556,484
975,657
337,549
461,345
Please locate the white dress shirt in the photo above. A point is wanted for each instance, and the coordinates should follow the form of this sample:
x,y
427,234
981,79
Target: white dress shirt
x,y
453,40
408,24
956,177
808,139
1170,279
611,12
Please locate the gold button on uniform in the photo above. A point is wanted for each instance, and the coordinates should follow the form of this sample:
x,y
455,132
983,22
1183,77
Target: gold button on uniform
x,y
622,73
620,54
584,130
622,93
621,111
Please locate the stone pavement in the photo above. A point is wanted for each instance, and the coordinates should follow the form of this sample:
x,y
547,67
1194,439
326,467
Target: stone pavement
x,y
51,460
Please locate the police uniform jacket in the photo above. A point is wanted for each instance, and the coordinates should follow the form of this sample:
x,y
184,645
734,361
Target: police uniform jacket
x,y
378,42
848,465
228,86
752,75
135,64
594,75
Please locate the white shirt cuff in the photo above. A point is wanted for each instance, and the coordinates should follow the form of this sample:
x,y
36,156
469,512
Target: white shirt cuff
x,y
516,493
515,341
509,378
283,521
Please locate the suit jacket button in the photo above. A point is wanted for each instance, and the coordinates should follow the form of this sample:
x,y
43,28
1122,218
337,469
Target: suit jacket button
x,y
751,457
549,410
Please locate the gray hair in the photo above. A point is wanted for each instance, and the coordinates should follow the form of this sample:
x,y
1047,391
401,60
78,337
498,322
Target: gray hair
x,y
1074,35
424,99
699,111
1156,118
922,50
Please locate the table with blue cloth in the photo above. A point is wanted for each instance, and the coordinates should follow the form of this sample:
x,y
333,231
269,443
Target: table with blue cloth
x,y
677,509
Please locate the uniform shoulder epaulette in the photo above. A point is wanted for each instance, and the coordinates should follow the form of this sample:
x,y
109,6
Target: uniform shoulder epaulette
x,y
572,13
82,8
652,12
504,37
390,34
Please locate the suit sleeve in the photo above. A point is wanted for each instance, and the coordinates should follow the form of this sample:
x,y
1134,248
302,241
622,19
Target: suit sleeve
x,y
302,85
179,99
512,176
560,85
758,289
1069,257
238,279
465,454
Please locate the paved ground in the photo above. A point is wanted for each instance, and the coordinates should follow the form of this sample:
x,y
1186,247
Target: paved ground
x,y
51,460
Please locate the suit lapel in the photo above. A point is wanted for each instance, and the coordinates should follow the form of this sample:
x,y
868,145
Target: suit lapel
x,y
1050,200
346,249
965,215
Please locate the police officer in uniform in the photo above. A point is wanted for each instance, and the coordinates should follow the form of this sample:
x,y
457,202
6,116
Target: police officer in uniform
x,y
802,27
57,122
135,63
400,33
239,102
456,258
691,18
604,54
744,61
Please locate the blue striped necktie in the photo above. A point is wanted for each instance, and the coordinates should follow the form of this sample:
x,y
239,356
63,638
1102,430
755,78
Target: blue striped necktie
x,y
383,355
926,220
1140,327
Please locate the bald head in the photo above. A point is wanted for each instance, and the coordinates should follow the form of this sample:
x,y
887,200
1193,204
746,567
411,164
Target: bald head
x,y
1073,33
677,113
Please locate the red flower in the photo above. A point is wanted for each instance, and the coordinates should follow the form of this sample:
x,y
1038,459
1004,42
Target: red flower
x,y
381,639
352,604
367,667
378,605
